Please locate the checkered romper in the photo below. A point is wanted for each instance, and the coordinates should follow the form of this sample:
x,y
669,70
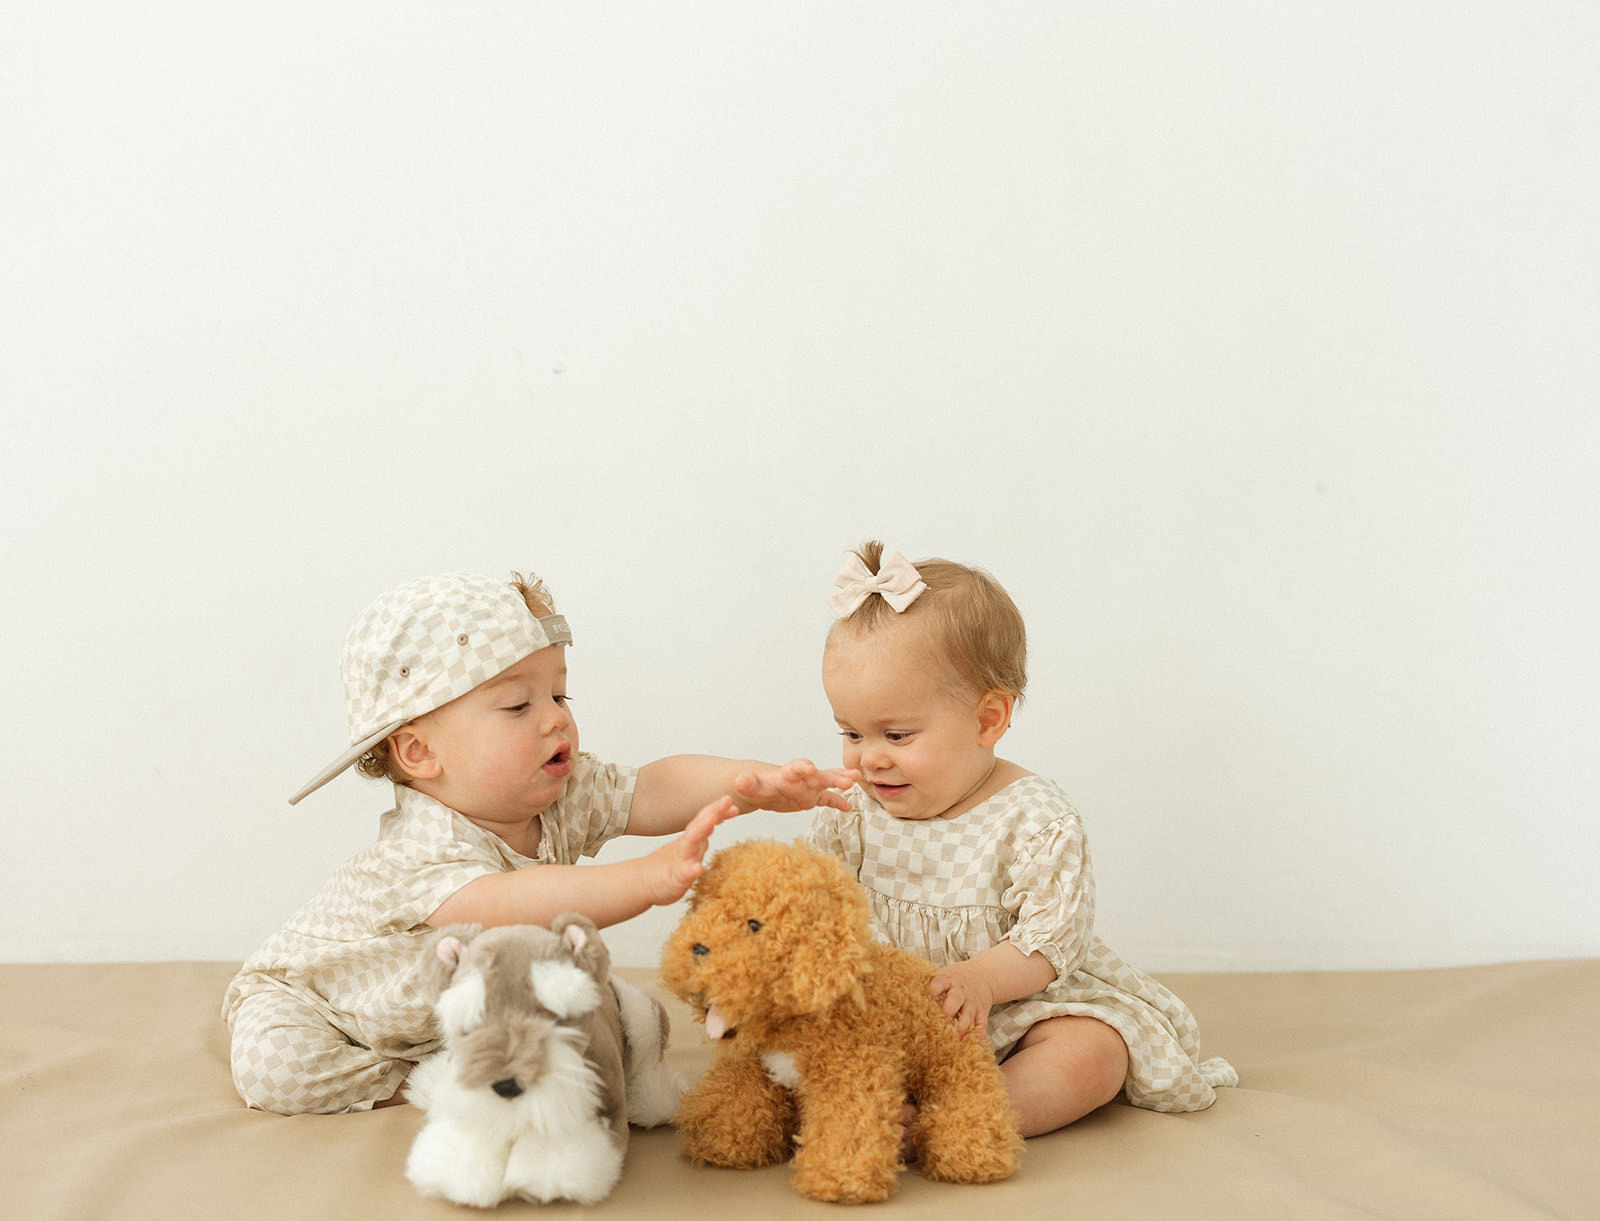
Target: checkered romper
x,y
1016,867
326,1016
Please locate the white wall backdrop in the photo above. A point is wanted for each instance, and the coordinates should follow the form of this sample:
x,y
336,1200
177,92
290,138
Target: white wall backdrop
x,y
1253,346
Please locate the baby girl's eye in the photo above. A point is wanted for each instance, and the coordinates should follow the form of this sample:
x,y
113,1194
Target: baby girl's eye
x,y
522,707
850,735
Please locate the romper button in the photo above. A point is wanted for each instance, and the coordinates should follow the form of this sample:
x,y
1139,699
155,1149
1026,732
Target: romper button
x,y
461,639
405,671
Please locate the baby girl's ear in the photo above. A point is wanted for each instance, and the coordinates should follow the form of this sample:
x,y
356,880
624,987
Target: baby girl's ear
x,y
994,716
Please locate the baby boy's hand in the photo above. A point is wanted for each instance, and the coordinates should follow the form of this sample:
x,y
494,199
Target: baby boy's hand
x,y
672,868
797,785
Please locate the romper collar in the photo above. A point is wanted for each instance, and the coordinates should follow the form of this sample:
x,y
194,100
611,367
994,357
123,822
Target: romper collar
x,y
416,816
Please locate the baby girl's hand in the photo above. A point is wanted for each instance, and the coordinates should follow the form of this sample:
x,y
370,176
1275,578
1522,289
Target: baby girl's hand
x,y
797,785
968,994
671,869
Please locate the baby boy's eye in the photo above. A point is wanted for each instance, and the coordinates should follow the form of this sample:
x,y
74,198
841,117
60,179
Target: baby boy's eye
x,y
522,707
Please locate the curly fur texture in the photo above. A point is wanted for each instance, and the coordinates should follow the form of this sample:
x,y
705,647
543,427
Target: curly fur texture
x,y
546,1059
824,1032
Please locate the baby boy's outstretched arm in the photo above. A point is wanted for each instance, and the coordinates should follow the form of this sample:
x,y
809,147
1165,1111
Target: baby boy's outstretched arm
x,y
611,893
607,894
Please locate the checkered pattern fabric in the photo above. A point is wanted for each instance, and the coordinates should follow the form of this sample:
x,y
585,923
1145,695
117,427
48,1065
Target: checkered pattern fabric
x,y
425,643
1017,867
325,1015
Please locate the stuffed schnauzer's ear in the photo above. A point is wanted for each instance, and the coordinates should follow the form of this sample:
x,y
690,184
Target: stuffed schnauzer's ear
x,y
441,954
581,939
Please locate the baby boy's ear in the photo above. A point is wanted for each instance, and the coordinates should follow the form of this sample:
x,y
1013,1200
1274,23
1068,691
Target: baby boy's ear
x,y
409,749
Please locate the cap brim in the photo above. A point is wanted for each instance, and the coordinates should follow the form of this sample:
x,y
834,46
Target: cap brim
x,y
345,760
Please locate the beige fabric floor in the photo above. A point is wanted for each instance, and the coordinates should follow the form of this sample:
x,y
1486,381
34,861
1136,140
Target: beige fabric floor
x,y
1468,1093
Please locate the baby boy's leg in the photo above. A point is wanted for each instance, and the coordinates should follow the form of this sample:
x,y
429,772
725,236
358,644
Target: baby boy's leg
x,y
288,1059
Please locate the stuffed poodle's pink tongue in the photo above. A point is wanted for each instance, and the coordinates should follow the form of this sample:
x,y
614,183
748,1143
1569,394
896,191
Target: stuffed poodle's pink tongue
x,y
716,1023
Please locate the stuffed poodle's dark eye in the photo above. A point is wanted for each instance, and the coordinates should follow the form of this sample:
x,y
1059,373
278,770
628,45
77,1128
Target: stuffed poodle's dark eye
x,y
700,951
755,925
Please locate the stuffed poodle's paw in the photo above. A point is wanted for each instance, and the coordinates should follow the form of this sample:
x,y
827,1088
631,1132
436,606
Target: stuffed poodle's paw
x,y
858,1174
736,1116
849,1144
450,1163
582,1166
969,1136
961,1155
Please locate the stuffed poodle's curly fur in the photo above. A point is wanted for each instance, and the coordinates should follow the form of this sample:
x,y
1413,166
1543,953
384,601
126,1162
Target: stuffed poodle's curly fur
x,y
824,1032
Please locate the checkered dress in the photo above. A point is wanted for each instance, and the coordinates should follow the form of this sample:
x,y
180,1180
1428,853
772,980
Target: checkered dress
x,y
1016,867
326,1016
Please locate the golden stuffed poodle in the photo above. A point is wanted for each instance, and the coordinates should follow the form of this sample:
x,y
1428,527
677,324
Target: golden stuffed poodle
x,y
822,1034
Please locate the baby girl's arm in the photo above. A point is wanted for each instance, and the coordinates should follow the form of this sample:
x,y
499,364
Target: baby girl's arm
x,y
607,894
1001,973
670,790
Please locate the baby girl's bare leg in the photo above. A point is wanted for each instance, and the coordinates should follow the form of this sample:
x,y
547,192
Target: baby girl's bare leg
x,y
1062,1069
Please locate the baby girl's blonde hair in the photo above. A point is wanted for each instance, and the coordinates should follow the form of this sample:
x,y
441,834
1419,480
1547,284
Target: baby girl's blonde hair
x,y
379,763
970,619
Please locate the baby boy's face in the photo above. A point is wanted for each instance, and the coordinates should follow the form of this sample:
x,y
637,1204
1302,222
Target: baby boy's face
x,y
915,741
506,747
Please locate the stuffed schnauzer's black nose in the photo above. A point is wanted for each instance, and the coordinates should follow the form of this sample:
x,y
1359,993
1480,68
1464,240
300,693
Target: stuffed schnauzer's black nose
x,y
509,1088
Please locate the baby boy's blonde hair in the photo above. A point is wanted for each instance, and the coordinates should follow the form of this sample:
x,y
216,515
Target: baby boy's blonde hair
x,y
971,622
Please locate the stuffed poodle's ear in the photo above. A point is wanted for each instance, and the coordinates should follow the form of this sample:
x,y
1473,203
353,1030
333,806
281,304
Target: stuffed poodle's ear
x,y
827,931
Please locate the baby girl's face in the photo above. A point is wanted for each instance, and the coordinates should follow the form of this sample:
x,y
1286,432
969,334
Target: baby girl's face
x,y
915,741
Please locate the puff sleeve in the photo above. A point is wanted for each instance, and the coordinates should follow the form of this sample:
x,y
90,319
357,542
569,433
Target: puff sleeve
x,y
1051,891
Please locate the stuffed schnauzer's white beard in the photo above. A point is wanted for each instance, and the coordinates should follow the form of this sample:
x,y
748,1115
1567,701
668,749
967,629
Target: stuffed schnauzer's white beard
x,y
549,1143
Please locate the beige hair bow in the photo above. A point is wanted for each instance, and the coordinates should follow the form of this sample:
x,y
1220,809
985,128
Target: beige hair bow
x,y
897,582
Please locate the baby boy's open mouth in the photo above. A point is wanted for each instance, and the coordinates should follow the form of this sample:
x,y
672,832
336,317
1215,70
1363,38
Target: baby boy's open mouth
x,y
560,763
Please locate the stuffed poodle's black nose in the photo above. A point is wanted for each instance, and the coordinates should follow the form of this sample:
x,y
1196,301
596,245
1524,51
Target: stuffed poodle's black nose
x,y
700,951
509,1088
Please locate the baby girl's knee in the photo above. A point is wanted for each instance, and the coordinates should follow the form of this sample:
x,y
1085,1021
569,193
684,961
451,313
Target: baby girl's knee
x,y
1086,1050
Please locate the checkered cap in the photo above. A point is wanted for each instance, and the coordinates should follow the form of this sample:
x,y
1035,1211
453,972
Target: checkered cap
x,y
424,644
